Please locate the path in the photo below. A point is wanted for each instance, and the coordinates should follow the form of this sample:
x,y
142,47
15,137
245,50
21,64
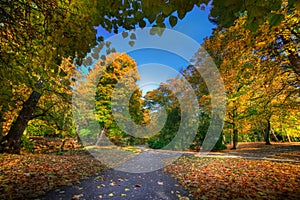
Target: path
x,y
113,184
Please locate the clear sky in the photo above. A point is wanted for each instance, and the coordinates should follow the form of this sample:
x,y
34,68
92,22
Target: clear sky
x,y
156,65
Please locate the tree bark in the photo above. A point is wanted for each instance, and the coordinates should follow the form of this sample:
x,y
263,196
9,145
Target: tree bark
x,y
102,140
295,62
289,138
79,141
267,133
224,138
258,136
274,135
11,142
235,137
235,130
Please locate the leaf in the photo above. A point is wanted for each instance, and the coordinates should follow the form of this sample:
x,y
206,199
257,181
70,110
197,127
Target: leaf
x,y
173,20
167,9
112,183
97,178
142,23
131,43
101,185
77,197
275,19
103,57
133,36
160,182
125,34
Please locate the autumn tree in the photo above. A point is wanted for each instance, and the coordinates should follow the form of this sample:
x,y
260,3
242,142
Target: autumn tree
x,y
282,17
36,35
163,98
113,90
42,35
258,82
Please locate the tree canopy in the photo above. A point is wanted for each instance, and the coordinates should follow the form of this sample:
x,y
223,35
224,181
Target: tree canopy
x,y
42,43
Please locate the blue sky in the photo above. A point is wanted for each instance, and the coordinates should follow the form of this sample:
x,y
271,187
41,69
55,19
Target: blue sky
x,y
157,65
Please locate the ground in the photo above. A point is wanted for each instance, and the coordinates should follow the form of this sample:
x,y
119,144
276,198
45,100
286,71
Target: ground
x,y
254,171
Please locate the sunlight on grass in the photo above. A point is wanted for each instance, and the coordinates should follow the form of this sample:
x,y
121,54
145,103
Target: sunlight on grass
x,y
113,156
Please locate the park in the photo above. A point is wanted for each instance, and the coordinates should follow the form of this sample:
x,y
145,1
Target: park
x,y
150,99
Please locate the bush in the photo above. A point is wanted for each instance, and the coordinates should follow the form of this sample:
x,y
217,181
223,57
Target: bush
x,y
88,137
219,145
157,143
27,144
40,128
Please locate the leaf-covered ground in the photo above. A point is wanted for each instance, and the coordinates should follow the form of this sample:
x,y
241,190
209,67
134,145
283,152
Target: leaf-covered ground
x,y
279,150
230,178
30,175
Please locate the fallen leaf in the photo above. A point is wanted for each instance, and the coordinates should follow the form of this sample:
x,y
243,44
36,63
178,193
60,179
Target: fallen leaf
x,y
160,182
111,194
100,186
112,183
77,197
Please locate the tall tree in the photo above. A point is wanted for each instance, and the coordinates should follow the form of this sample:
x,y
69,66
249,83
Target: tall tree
x,y
283,38
36,35
255,85
113,82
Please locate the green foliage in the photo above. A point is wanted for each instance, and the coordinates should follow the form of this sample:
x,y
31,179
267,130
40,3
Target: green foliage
x,y
117,72
162,98
88,136
219,145
27,144
258,12
40,128
37,35
157,143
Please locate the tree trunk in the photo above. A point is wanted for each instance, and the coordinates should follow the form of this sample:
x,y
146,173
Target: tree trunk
x,y
235,130
102,140
295,61
1,131
289,138
258,136
224,139
235,137
79,141
267,133
274,135
11,142
63,143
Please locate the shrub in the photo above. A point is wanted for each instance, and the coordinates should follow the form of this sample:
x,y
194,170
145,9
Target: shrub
x,y
27,144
